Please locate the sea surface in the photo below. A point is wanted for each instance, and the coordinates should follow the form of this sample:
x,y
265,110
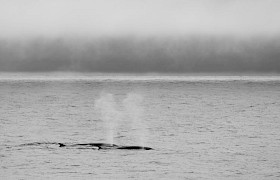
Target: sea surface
x,y
200,127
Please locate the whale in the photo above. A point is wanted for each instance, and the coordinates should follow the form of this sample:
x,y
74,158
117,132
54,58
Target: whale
x,y
99,146
135,148
89,145
96,146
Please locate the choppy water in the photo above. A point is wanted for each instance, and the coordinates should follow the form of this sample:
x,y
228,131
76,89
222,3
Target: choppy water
x,y
201,127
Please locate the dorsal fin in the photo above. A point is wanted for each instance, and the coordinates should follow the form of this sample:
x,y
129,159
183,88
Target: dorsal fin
x,y
61,145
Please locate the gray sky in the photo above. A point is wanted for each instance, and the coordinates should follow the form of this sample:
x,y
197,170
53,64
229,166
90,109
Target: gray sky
x,y
138,17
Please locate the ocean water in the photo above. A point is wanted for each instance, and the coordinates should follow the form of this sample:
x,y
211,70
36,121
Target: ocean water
x,y
200,127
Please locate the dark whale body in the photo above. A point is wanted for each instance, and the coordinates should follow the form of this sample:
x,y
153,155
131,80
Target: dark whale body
x,y
105,146
93,145
135,148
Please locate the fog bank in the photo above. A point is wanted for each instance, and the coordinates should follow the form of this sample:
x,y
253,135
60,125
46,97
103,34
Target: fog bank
x,y
140,55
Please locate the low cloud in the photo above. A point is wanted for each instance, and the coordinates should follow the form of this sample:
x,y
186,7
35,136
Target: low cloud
x,y
141,55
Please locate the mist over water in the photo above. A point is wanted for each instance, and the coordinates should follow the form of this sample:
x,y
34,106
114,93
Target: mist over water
x,y
187,54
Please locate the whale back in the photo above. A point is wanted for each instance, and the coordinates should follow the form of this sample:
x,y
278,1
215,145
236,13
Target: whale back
x,y
106,146
135,148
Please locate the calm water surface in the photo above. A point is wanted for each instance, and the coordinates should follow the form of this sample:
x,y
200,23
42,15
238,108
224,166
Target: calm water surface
x,y
201,127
